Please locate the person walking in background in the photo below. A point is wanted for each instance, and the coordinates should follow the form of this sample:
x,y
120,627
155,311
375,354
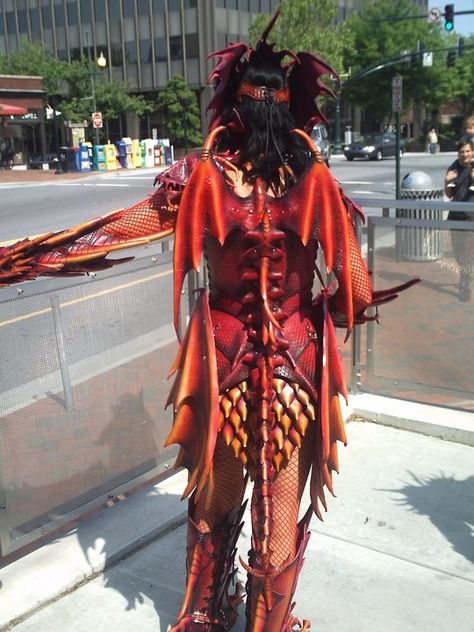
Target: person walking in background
x,y
469,128
432,141
458,186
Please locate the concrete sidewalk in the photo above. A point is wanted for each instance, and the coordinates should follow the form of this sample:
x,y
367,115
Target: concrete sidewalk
x,y
394,554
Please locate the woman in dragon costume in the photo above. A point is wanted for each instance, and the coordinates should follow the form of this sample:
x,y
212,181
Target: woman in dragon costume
x,y
258,373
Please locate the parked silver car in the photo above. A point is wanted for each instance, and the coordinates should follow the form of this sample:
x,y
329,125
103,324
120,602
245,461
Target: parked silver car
x,y
320,138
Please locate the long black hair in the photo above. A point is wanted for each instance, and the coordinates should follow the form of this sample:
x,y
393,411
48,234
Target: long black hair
x,y
261,131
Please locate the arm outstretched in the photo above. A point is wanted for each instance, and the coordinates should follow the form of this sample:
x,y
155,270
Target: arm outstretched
x,y
85,247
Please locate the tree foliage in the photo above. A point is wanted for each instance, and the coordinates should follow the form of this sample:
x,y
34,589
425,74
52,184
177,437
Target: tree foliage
x,y
70,83
180,111
367,43
304,25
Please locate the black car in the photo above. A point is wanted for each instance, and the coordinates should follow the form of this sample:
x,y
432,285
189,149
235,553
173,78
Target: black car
x,y
373,147
36,161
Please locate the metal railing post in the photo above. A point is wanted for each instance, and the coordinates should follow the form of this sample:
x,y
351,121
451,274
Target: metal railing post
x,y
63,366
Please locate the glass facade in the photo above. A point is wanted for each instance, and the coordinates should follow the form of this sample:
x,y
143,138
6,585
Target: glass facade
x,y
145,41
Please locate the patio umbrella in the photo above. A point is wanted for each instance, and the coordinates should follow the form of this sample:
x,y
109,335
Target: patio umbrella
x,y
9,110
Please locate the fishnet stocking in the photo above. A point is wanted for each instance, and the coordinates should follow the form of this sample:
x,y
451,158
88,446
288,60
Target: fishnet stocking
x,y
228,488
287,492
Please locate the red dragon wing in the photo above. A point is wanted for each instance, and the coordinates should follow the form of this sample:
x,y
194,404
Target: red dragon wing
x,y
195,397
200,214
85,247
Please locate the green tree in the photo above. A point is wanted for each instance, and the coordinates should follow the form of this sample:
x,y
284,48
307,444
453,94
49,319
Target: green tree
x,y
367,43
36,60
304,25
180,111
71,82
113,98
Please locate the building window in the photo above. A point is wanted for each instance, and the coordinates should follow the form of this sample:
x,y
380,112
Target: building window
x,y
143,7
22,21
72,19
11,26
244,5
116,55
62,54
232,4
75,54
254,8
265,6
128,10
176,47
192,46
59,17
114,10
190,4
158,6
161,54
99,10
86,11
131,52
145,51
220,3
174,5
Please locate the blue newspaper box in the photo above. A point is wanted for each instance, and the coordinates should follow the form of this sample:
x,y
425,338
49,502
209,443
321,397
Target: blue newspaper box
x,y
168,156
122,153
83,161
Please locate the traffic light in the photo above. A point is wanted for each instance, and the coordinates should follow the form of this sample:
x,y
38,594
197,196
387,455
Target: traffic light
x,y
460,46
449,17
451,58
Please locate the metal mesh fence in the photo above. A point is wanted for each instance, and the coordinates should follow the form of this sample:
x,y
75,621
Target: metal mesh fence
x,y
82,390
423,349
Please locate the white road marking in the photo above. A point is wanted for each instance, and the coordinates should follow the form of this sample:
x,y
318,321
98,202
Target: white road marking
x,y
355,182
363,192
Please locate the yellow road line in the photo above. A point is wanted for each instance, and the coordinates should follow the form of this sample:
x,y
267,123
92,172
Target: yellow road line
x,y
123,286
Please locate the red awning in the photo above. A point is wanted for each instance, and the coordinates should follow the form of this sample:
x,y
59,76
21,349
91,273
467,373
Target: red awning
x,y
9,110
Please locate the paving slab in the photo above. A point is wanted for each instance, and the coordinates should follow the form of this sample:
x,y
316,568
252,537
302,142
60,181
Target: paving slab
x,y
394,553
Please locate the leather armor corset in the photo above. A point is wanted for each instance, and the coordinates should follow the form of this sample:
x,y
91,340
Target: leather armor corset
x,y
237,303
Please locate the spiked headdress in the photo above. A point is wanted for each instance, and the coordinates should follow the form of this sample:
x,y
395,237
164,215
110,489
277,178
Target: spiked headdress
x,y
304,72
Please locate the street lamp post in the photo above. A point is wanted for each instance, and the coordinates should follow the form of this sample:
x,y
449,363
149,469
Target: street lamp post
x,y
101,61
337,149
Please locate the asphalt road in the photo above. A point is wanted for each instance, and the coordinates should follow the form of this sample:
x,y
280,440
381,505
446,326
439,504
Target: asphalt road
x,y
29,209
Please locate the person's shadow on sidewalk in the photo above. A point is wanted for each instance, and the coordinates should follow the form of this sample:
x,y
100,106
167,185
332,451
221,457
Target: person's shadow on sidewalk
x,y
449,504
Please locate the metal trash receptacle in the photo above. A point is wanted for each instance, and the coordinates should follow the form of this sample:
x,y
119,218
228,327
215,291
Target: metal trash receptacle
x,y
419,243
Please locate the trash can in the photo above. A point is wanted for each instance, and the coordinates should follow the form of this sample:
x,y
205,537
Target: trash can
x,y
68,158
419,243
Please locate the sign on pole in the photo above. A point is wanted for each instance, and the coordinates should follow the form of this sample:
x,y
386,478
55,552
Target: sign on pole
x,y
397,89
427,59
434,15
96,119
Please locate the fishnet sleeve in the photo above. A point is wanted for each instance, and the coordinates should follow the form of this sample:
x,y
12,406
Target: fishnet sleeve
x,y
359,279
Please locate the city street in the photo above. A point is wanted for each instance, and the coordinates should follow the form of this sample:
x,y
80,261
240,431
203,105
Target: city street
x,y
29,208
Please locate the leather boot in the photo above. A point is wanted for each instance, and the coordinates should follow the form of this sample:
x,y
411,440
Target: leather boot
x,y
208,606
270,590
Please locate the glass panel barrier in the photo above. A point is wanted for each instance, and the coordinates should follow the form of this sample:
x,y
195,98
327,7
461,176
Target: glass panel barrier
x,y
423,349
83,384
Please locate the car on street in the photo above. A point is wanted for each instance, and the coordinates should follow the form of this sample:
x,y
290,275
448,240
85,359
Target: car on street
x,y
320,137
373,147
